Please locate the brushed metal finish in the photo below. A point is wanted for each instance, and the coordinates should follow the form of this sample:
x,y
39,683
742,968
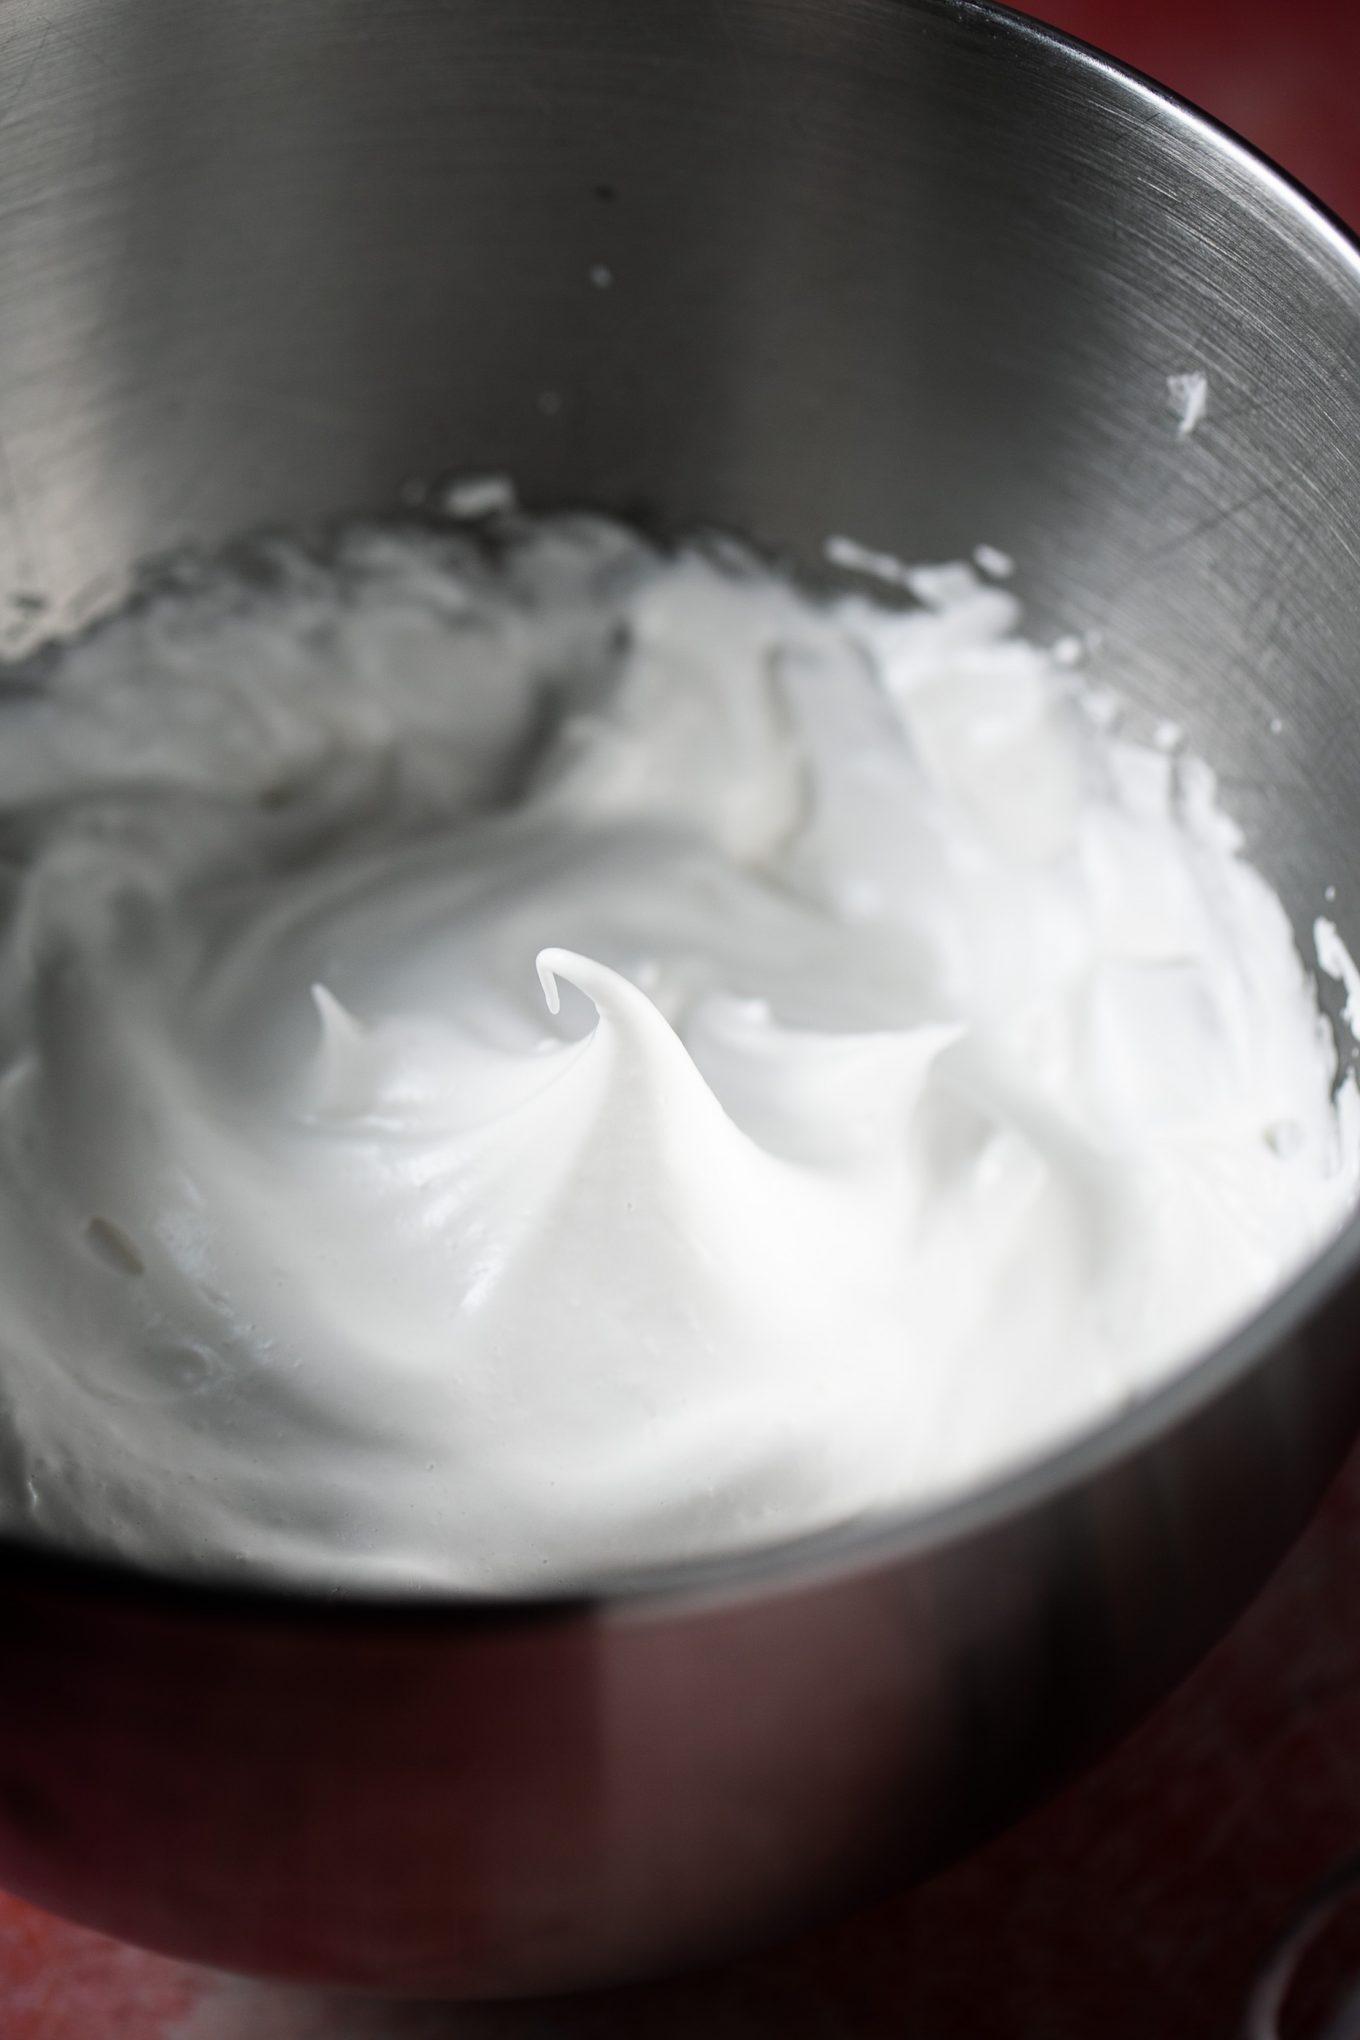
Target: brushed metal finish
x,y
909,269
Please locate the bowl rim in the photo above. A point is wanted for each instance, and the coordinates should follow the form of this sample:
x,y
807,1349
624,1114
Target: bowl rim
x,y
681,1588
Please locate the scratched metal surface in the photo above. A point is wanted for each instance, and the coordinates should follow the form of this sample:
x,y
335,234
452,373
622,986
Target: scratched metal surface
x,y
1141,1901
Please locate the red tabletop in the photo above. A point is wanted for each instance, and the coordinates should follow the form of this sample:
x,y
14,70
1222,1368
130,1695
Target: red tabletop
x,y
1283,75
1138,1906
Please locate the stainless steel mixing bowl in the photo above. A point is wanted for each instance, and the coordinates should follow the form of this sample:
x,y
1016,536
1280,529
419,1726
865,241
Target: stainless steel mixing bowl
x,y
909,269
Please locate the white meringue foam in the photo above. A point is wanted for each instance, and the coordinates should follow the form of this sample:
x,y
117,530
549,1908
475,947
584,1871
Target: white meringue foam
x,y
526,1062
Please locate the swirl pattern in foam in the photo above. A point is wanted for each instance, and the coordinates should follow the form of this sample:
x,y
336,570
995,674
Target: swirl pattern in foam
x,y
531,1061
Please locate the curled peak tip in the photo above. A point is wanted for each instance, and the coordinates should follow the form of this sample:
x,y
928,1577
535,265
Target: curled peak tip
x,y
606,989
547,963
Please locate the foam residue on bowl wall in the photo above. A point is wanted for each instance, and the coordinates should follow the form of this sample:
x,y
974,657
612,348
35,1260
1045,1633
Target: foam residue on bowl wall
x,y
1188,394
1335,959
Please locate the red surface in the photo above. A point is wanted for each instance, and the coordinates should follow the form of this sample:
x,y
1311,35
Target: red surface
x,y
1137,1907
1285,76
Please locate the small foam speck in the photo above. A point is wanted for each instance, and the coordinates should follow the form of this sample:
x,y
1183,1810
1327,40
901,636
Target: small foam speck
x,y
1188,394
990,560
864,559
478,496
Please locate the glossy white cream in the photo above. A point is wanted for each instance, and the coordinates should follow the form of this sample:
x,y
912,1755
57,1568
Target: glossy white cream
x,y
521,1070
